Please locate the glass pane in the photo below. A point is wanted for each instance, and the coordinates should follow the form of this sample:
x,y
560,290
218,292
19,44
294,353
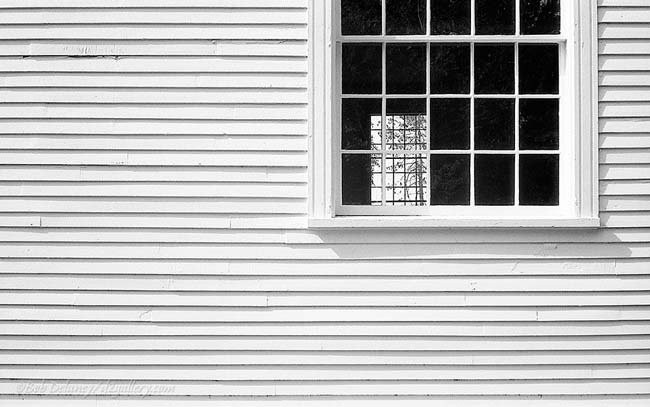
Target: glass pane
x,y
406,180
406,17
450,65
358,179
538,69
494,69
361,68
539,124
495,17
450,17
361,17
360,123
495,179
450,124
450,179
494,124
406,67
539,179
540,16
406,124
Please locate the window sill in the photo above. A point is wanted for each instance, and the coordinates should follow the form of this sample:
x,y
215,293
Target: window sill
x,y
378,222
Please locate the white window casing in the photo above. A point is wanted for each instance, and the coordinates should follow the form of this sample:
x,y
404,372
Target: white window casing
x,y
578,141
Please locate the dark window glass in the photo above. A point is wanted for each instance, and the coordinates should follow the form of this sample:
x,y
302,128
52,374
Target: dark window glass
x,y
539,125
406,67
538,69
495,17
357,127
494,124
361,17
406,17
450,17
406,124
356,178
450,179
361,68
539,179
450,124
495,179
540,16
450,65
494,69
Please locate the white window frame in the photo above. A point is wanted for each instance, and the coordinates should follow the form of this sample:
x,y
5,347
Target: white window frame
x,y
579,109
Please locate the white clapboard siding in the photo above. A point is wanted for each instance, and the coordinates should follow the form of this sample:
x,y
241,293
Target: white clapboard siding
x,y
149,16
153,232
169,48
253,373
258,81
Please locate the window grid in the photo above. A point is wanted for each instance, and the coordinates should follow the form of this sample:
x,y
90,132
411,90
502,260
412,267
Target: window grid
x,y
473,39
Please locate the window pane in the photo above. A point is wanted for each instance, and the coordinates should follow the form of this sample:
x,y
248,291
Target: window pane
x,y
450,66
494,69
406,68
539,125
360,124
406,17
406,180
538,69
495,17
361,17
406,124
494,124
361,68
450,179
539,179
450,124
540,16
357,180
495,179
450,17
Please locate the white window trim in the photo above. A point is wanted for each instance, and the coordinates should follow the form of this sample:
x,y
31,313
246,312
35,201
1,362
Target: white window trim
x,y
321,128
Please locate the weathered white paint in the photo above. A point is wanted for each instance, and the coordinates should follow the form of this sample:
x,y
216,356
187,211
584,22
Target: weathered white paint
x,y
153,220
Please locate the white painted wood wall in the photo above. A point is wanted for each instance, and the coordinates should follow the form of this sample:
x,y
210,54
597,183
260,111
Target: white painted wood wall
x,y
153,229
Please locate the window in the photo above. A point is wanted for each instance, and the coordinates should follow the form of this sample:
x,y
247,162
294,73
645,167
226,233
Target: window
x,y
454,109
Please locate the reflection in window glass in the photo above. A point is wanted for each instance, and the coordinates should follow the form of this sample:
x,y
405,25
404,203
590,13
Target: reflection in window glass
x,y
376,181
450,179
495,179
539,124
539,179
494,68
450,124
356,115
361,68
406,180
375,132
406,124
406,68
361,17
450,68
357,178
494,17
406,132
406,17
538,69
450,17
540,17
494,124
